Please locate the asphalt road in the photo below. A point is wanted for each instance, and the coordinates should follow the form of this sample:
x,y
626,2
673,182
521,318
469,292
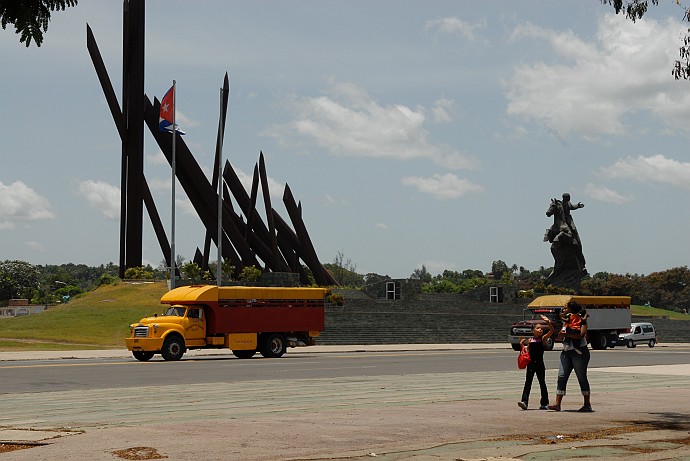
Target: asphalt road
x,y
88,374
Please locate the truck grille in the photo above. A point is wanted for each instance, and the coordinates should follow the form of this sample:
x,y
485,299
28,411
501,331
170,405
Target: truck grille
x,y
141,332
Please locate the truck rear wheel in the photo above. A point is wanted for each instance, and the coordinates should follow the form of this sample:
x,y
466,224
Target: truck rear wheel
x,y
243,354
600,341
273,345
142,356
173,348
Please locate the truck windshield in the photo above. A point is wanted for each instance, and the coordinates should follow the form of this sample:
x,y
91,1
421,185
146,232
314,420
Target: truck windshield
x,y
177,311
550,315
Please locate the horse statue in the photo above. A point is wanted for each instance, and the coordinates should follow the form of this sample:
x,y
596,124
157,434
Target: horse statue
x,y
569,263
559,232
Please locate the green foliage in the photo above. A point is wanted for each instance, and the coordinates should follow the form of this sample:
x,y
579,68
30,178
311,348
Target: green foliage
x,y
336,299
191,270
18,279
669,289
250,274
344,271
30,17
108,279
421,274
633,9
138,273
456,282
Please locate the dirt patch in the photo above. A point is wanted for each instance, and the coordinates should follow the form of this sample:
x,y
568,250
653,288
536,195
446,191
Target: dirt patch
x,y
139,453
581,436
7,447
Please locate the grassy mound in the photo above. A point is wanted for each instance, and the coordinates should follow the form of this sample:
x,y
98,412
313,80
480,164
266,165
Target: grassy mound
x,y
99,319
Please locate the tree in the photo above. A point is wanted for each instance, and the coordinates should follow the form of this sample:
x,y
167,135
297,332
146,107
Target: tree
x,y
636,9
138,273
343,271
30,17
18,279
250,274
421,274
498,268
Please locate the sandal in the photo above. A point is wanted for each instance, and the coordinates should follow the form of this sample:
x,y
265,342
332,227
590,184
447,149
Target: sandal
x,y
586,409
554,407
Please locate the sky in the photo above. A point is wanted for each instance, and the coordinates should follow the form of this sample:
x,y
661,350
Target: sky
x,y
413,133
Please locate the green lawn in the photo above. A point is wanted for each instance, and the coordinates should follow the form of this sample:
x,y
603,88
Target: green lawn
x,y
654,312
95,320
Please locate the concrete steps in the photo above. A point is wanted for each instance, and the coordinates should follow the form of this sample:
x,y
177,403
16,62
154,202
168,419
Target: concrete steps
x,y
439,318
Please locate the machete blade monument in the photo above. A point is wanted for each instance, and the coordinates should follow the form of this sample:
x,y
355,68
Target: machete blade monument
x,y
272,246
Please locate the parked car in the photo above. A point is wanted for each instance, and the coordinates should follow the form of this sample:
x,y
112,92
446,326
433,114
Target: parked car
x,y
640,333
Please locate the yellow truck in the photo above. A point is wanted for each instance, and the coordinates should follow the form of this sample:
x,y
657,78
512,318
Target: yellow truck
x,y
242,319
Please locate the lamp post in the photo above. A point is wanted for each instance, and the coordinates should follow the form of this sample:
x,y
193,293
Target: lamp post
x,y
62,283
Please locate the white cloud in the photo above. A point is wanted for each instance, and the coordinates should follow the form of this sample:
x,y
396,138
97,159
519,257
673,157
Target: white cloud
x,y
382,226
35,246
453,25
19,202
157,159
591,86
655,169
350,123
441,109
434,266
445,186
604,194
102,196
275,188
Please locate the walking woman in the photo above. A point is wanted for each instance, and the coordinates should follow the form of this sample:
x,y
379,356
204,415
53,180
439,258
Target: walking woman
x,y
575,356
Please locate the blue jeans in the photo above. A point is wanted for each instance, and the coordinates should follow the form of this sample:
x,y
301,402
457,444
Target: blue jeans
x,y
571,360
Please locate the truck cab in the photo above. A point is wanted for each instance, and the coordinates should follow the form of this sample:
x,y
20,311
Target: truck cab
x,y
169,334
523,328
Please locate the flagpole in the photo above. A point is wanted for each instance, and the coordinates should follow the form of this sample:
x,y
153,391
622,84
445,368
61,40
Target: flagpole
x,y
219,272
172,214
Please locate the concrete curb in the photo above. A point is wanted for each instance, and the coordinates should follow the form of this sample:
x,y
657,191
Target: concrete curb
x,y
124,353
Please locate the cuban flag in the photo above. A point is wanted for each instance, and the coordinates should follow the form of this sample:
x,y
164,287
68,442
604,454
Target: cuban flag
x,y
167,114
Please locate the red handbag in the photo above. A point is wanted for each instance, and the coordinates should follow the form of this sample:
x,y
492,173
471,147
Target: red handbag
x,y
523,358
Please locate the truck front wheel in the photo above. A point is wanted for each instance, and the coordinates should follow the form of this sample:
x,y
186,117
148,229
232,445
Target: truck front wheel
x,y
142,356
273,346
173,348
243,354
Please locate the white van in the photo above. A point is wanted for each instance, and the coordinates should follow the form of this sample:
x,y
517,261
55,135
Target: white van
x,y
640,333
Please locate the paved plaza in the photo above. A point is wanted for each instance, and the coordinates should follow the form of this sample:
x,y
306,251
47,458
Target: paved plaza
x,y
641,413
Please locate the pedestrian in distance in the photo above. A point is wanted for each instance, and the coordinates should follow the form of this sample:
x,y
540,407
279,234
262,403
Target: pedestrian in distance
x,y
577,360
536,366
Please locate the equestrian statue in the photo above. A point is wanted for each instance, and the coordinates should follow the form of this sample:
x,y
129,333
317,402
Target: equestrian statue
x,y
566,247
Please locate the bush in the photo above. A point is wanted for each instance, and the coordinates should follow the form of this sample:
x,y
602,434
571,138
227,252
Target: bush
x,y
250,274
108,279
337,299
138,273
